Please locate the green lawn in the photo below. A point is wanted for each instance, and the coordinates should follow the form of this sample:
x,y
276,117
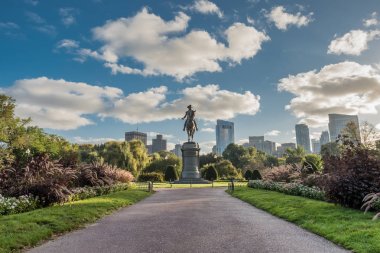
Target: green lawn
x,y
216,184
347,227
27,229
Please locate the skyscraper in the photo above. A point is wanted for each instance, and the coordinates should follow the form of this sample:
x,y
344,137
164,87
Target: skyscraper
x,y
325,138
257,142
303,137
224,135
177,150
135,135
158,144
316,145
338,122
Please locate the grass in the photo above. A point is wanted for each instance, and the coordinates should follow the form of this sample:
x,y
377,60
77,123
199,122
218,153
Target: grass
x,y
28,229
349,228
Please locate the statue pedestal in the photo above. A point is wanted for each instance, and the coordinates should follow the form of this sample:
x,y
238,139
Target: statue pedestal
x,y
190,165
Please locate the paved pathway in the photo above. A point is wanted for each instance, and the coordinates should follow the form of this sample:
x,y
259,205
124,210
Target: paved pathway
x,y
190,220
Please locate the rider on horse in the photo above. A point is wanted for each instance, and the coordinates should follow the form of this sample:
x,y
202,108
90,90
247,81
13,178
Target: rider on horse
x,y
190,115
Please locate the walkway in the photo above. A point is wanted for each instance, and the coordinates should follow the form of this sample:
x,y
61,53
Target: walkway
x,y
190,220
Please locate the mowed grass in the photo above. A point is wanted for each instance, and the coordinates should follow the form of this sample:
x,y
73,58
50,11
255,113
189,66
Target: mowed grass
x,y
349,228
27,229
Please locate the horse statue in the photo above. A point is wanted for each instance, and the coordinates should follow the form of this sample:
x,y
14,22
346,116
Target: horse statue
x,y
190,123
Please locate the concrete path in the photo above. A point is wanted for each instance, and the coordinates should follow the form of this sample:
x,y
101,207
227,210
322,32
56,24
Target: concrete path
x,y
190,220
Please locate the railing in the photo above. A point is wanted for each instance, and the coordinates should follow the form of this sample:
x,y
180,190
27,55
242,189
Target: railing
x,y
232,185
145,186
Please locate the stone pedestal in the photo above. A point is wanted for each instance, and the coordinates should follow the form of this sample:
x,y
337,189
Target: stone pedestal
x,y
190,164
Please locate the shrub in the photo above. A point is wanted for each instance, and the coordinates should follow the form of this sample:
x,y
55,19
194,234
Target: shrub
x,y
291,189
14,205
42,178
352,175
248,175
283,173
90,192
119,175
152,176
93,174
226,170
256,175
211,173
171,173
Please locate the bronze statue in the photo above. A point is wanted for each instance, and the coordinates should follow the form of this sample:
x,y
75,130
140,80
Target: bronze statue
x,y
190,124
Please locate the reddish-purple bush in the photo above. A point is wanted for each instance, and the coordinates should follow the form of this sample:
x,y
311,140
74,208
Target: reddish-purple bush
x,y
283,173
352,175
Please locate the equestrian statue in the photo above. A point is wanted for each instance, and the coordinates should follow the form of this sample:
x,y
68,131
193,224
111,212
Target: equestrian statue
x,y
190,124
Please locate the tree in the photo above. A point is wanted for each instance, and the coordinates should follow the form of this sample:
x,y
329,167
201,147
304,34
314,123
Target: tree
x,y
248,175
211,173
237,155
256,175
171,173
208,158
314,162
271,161
226,169
160,164
296,155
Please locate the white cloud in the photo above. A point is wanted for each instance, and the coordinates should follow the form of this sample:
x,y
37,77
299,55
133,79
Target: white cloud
x,y
68,16
40,23
165,136
91,140
8,25
273,133
346,87
283,19
164,48
31,2
208,130
372,21
220,104
60,104
242,141
206,146
206,7
65,43
378,126
353,42
250,20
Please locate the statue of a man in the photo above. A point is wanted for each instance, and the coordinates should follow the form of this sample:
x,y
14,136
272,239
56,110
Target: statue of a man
x,y
190,115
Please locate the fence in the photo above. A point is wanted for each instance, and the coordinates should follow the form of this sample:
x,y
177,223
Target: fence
x,y
145,186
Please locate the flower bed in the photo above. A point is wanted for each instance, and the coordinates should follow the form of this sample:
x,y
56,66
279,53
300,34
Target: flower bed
x,y
289,188
17,205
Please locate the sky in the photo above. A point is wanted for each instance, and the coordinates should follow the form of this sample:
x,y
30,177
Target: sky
x,y
91,70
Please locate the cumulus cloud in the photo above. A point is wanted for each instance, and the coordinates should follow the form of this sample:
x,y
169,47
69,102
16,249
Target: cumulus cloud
x,y
208,130
91,140
164,47
372,21
346,87
40,23
68,16
65,43
282,19
378,126
64,105
353,42
206,7
206,146
273,133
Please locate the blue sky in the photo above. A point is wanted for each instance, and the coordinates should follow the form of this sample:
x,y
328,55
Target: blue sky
x,y
91,70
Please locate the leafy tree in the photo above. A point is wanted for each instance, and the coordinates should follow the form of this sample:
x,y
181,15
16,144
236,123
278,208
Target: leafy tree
x,y
271,161
296,155
237,155
210,173
314,162
207,159
226,169
248,175
330,149
171,173
160,164
256,175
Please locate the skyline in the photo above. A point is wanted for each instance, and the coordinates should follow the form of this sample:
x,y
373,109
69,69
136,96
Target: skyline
x,y
91,71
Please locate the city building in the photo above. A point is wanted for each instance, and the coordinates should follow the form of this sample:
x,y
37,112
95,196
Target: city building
x,y
338,122
316,145
136,135
177,150
303,137
149,148
214,149
158,144
257,142
269,147
282,148
224,135
325,138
